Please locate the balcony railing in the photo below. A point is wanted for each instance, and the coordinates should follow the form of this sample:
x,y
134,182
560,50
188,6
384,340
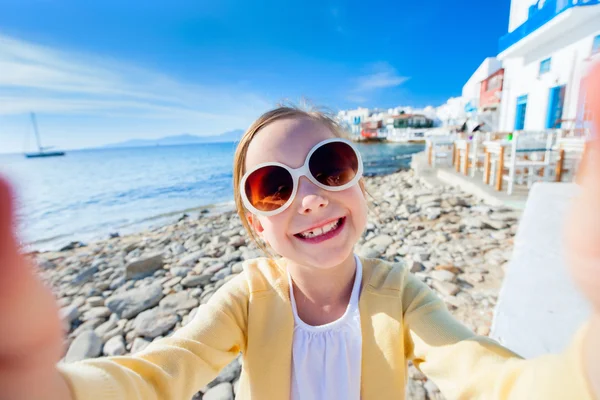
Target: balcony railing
x,y
540,14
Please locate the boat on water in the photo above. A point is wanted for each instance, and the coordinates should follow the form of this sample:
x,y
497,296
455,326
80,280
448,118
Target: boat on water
x,y
42,151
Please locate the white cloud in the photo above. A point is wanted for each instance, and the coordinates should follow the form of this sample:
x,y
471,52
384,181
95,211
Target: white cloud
x,y
47,80
381,76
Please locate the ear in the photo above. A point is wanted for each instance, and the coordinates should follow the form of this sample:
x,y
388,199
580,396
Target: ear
x,y
255,224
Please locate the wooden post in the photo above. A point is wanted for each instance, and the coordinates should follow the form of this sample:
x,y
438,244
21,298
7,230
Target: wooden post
x,y
560,165
457,159
486,172
430,153
466,167
453,153
500,171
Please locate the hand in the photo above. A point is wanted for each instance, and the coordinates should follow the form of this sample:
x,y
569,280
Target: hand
x,y
30,328
583,224
583,235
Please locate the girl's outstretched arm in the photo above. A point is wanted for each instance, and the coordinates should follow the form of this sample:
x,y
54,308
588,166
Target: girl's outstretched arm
x,y
465,365
32,340
583,232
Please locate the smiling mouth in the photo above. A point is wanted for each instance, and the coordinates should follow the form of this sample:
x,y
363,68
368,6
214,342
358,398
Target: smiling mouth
x,y
322,233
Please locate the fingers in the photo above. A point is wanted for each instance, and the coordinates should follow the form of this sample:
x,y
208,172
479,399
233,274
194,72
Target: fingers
x,y
593,100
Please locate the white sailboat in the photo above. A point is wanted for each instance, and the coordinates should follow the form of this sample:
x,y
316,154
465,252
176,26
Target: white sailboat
x,y
42,151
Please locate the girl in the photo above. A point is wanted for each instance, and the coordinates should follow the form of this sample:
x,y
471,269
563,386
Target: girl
x,y
316,323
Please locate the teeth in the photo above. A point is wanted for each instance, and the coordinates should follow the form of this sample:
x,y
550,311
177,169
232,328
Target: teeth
x,y
320,231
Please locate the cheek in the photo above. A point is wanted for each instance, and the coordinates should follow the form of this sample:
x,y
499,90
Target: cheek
x,y
274,227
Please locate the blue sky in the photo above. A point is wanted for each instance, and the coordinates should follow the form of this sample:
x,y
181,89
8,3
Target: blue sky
x,y
100,72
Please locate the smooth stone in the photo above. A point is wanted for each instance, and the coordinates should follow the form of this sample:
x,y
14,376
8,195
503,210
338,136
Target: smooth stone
x,y
180,271
443,275
416,266
69,313
86,345
97,312
237,267
129,304
381,241
494,224
433,213
178,302
154,322
445,288
172,282
214,268
191,259
114,346
85,275
107,326
139,344
472,222
143,267
117,283
195,280
223,391
227,374
366,252
196,292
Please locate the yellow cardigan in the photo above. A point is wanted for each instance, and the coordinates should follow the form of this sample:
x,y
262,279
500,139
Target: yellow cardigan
x,y
402,319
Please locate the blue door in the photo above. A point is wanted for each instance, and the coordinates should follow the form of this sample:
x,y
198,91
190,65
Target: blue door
x,y
521,111
556,101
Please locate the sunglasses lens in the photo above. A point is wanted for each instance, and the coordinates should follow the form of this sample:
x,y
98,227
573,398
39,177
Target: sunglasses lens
x,y
334,164
269,188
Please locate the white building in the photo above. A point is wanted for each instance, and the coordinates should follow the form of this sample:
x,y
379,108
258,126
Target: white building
x,y
353,118
549,47
472,88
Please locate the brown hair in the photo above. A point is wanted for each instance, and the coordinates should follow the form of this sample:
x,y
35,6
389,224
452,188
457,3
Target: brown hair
x,y
239,160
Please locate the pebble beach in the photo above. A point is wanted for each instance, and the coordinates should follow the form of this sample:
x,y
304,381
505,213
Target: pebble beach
x,y
120,294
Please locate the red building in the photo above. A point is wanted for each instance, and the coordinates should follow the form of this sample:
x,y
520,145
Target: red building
x,y
491,91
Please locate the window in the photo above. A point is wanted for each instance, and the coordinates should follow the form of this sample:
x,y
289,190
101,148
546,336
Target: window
x,y
521,111
545,66
596,45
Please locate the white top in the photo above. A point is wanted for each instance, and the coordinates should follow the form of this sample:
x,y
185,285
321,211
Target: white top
x,y
326,359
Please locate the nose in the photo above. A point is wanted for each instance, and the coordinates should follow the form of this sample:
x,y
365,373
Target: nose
x,y
310,196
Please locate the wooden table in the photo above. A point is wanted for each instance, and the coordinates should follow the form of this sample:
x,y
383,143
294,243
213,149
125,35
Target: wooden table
x,y
462,145
498,147
432,142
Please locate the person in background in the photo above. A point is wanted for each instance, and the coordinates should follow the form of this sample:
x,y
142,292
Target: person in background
x,y
315,322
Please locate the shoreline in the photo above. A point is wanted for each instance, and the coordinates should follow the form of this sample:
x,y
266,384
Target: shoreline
x,y
450,240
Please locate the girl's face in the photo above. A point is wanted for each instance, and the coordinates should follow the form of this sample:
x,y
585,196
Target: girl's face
x,y
288,141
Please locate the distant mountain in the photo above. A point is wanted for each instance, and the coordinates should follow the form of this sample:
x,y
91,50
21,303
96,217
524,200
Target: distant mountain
x,y
186,138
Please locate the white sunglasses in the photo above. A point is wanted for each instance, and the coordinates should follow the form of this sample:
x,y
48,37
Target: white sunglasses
x,y
269,188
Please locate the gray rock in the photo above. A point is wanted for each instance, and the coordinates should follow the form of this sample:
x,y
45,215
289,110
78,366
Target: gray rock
x,y
85,275
443,275
191,259
154,322
381,241
433,213
195,280
472,223
172,282
107,326
237,267
366,252
86,345
115,346
494,224
95,301
139,344
445,288
222,274
178,302
129,304
195,292
416,266
97,312
421,256
44,264
69,313
223,391
117,283
180,271
177,249
143,267
228,374
214,268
